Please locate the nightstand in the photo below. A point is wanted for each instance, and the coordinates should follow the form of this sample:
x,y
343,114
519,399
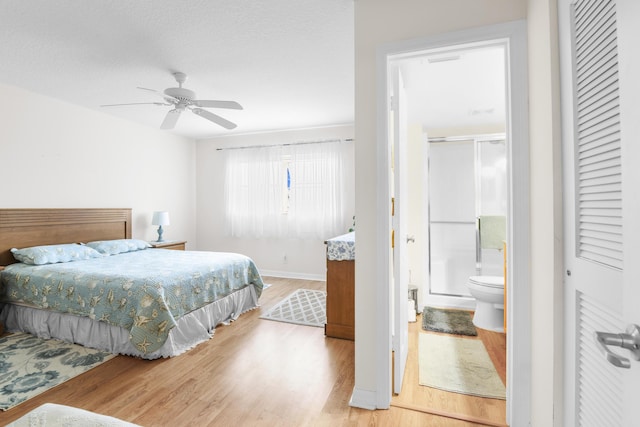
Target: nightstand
x,y
177,245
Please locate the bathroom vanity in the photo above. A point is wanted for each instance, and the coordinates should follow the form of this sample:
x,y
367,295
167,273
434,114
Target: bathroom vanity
x,y
341,287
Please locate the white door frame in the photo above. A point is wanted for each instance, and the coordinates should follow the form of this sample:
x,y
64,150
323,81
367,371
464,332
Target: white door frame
x,y
513,35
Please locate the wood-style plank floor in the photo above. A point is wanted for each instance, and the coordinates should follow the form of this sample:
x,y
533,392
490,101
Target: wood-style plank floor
x,y
255,372
483,410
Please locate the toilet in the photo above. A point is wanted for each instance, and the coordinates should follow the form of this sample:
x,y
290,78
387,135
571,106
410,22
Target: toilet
x,y
489,294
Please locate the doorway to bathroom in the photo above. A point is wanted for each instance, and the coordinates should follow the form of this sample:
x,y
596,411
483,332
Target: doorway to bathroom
x,y
458,151
455,102
409,63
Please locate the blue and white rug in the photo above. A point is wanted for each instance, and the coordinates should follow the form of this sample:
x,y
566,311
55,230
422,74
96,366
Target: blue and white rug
x,y
30,366
303,307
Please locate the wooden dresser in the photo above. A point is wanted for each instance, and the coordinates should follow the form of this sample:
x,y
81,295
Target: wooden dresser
x,y
340,291
340,300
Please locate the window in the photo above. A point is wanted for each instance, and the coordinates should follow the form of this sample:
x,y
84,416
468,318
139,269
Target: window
x,y
292,191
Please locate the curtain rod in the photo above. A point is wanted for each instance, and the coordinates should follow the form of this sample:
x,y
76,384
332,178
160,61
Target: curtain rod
x,y
486,137
285,144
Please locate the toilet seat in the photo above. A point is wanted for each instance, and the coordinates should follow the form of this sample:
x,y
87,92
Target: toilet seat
x,y
488,281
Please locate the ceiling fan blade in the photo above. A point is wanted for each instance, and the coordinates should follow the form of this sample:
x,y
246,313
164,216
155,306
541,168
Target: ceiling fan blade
x,y
150,90
214,118
135,103
170,99
217,104
170,119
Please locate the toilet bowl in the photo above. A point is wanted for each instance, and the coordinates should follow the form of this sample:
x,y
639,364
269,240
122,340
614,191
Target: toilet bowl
x,y
489,294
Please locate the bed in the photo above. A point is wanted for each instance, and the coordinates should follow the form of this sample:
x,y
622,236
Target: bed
x,y
56,415
115,294
341,287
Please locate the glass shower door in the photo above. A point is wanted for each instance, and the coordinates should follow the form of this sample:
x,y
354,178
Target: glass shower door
x,y
452,217
467,178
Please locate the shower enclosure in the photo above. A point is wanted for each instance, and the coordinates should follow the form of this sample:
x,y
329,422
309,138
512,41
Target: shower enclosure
x,y
467,177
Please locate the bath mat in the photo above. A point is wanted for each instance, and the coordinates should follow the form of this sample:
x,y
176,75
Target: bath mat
x,y
30,366
458,322
303,307
458,365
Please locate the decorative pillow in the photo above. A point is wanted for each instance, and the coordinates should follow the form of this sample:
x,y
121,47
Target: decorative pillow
x,y
118,246
51,254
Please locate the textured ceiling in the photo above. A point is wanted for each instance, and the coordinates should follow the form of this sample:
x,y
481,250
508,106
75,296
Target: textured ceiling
x,y
288,62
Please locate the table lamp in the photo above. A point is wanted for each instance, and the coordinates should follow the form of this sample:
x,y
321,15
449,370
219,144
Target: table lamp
x,y
160,218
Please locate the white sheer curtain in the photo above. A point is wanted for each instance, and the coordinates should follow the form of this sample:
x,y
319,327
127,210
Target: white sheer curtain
x,y
294,191
316,208
254,192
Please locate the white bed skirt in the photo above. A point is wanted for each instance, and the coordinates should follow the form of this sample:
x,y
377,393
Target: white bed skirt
x,y
54,415
192,329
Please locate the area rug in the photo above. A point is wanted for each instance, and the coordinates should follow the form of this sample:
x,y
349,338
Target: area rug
x,y
30,366
459,365
303,307
449,321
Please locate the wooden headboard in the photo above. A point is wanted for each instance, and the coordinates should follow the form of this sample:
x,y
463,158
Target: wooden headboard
x,y
21,228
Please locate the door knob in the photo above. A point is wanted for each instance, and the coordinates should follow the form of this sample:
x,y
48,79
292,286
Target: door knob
x,y
630,340
411,239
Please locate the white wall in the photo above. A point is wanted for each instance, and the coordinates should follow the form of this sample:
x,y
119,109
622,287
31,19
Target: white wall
x,y
304,258
378,22
57,155
547,258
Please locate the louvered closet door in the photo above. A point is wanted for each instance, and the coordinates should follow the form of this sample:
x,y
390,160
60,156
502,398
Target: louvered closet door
x,y
601,148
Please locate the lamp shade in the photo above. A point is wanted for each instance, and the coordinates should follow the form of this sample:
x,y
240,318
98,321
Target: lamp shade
x,y
160,218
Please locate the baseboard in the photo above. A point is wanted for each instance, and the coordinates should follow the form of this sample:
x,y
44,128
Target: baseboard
x,y
290,275
364,399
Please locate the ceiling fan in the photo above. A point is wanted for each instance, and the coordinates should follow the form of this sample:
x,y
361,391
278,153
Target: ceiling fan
x,y
182,99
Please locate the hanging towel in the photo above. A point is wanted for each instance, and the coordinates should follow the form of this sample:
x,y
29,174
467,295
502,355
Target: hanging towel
x,y
493,231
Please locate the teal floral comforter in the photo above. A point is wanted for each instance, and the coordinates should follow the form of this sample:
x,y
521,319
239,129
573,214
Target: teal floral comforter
x,y
144,292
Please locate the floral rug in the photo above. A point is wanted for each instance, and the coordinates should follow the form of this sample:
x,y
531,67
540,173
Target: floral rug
x,y
30,366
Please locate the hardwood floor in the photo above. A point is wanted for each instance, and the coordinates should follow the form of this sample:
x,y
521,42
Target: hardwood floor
x,y
254,372
482,410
